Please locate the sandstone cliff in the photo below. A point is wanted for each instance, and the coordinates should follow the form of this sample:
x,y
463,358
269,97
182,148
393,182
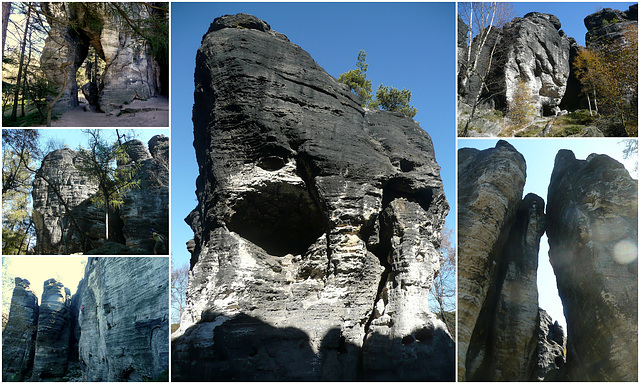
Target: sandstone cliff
x,y
609,25
19,335
124,325
65,219
114,328
317,231
130,69
593,239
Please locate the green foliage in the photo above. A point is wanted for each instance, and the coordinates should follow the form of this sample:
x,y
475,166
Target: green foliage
x,y
394,100
387,98
357,81
521,106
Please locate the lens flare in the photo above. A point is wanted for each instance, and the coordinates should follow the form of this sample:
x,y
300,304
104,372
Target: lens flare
x,y
624,252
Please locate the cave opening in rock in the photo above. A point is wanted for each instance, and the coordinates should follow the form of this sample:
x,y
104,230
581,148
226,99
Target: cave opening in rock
x,y
88,77
281,218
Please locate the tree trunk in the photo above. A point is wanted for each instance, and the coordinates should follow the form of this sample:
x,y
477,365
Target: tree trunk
x,y
14,111
25,83
6,11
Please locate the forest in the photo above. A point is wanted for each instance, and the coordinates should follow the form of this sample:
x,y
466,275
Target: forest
x,y
57,200
98,57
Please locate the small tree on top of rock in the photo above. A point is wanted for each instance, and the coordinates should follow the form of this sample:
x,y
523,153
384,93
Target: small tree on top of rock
x,y
387,98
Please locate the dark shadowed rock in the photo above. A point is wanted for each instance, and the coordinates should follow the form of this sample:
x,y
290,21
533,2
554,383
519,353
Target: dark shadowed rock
x,y
54,326
608,26
317,228
550,365
593,237
124,325
19,334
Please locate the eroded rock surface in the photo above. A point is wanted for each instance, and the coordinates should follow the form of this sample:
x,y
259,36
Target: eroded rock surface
x,y
124,325
19,334
54,327
550,364
67,221
317,231
609,26
593,237
131,72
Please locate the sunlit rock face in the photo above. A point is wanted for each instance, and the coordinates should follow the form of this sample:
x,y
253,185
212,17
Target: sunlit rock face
x,y
131,72
317,230
123,318
499,237
593,236
19,334
54,327
609,26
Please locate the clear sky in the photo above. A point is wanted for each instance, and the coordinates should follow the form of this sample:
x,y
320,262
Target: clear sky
x,y
571,15
408,45
68,270
540,155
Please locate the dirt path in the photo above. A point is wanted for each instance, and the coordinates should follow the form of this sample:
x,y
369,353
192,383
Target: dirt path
x,y
153,112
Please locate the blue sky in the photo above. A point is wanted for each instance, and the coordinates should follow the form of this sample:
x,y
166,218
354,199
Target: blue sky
x,y
408,45
540,155
75,137
571,15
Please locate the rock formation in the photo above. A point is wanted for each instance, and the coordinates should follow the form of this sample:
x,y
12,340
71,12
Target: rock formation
x,y
551,344
66,220
54,326
19,334
130,70
317,231
115,327
124,325
608,25
593,237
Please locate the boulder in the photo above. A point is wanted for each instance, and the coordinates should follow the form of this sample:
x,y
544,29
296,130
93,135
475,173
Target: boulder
x,y
317,233
19,334
123,319
592,217
54,327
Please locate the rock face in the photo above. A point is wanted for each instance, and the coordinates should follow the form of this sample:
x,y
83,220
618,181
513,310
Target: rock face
x,y
317,229
593,238
532,49
66,220
19,335
131,72
608,25
54,326
551,344
124,325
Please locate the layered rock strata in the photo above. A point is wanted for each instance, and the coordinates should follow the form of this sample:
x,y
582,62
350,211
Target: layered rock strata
x,y
130,69
54,326
317,231
19,334
593,236
66,220
499,237
123,319
609,26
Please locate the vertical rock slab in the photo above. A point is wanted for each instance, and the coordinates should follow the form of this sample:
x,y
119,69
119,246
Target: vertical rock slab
x,y
550,364
124,326
147,207
54,325
489,190
593,236
19,334
60,203
318,225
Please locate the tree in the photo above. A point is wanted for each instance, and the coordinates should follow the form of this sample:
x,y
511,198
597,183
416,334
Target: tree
x,y
630,151
179,285
20,67
100,164
482,39
609,70
6,11
443,291
391,99
357,81
521,106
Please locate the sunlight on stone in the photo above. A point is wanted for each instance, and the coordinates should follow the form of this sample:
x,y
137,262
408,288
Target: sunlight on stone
x,y
624,252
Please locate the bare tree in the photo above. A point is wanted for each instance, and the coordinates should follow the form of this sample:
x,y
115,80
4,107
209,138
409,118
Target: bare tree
x,y
443,291
6,11
179,284
482,39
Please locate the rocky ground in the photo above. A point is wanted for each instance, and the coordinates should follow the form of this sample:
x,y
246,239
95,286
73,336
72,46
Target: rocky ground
x,y
153,112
